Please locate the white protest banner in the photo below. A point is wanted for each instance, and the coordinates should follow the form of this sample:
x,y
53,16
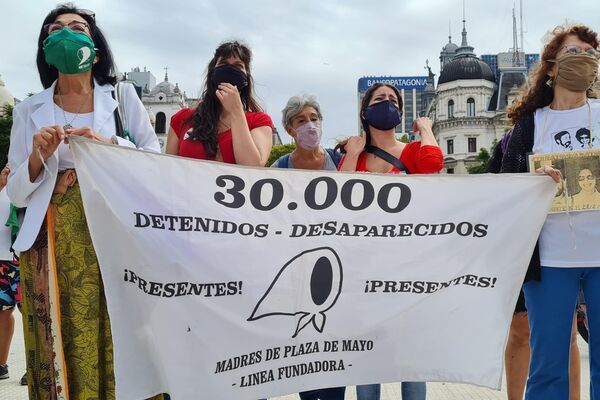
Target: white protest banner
x,y
226,282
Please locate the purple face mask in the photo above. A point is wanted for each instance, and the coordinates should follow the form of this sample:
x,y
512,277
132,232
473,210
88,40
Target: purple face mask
x,y
308,135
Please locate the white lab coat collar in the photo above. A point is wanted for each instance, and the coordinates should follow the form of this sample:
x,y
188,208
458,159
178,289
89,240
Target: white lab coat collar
x,y
104,106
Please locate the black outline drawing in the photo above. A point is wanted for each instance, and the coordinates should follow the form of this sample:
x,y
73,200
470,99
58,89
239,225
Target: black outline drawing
x,y
318,319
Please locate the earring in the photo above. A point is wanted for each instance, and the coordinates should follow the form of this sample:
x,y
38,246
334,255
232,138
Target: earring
x,y
550,82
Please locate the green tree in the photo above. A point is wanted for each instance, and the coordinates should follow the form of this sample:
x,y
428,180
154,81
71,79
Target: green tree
x,y
5,127
404,138
280,150
484,158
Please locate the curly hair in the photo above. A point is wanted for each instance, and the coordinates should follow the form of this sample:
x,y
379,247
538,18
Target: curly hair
x,y
536,93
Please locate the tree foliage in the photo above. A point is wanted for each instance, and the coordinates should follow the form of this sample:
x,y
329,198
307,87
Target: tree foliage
x,y
5,127
484,158
280,150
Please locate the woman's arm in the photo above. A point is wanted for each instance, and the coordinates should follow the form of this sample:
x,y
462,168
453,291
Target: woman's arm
x,y
27,170
354,146
424,125
519,144
251,148
138,122
172,143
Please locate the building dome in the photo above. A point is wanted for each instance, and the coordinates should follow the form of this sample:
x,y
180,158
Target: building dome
x,y
165,87
450,47
466,67
6,96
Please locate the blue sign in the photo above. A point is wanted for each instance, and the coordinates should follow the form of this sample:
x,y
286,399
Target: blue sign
x,y
400,82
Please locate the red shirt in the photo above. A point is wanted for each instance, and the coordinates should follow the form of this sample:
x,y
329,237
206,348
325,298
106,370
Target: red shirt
x,y
418,159
195,149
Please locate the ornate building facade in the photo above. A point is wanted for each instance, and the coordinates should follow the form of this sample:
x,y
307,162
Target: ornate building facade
x,y
464,120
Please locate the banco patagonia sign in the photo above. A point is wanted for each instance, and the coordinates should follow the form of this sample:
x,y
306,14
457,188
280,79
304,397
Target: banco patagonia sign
x,y
400,82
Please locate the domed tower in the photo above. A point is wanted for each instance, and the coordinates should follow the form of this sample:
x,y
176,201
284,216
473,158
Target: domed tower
x,y
162,102
448,52
463,123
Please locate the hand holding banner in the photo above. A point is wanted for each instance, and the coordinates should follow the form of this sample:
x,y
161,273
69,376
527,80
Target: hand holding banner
x,y
233,282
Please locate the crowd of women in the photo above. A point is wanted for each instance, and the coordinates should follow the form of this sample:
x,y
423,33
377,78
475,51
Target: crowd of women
x,y
76,68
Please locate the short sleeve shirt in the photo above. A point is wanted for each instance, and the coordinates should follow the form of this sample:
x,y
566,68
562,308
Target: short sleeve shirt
x,y
194,149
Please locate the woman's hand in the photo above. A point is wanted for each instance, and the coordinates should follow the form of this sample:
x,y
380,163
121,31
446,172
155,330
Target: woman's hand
x,y
87,132
47,140
229,97
422,124
355,145
553,172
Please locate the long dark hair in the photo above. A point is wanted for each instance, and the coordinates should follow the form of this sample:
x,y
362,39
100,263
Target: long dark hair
x,y
363,106
536,93
103,70
205,118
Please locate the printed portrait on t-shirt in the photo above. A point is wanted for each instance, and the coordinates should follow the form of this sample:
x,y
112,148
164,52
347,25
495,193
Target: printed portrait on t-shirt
x,y
571,139
563,139
584,139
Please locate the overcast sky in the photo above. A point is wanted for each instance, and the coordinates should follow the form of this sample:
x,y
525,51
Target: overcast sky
x,y
312,46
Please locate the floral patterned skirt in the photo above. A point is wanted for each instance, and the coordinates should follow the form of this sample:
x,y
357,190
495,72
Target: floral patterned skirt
x,y
83,318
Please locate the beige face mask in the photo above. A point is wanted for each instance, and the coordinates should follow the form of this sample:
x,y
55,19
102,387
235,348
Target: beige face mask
x,y
576,72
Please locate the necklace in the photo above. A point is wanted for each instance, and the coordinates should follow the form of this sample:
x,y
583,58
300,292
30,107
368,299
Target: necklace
x,y
69,124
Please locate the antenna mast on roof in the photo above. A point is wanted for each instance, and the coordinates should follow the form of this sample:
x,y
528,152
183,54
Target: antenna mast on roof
x,y
515,43
521,18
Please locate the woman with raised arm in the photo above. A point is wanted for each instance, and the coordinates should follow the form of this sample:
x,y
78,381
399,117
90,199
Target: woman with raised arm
x,y
377,149
228,124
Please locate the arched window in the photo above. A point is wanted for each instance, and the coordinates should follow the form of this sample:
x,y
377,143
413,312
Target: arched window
x,y
161,121
470,107
450,108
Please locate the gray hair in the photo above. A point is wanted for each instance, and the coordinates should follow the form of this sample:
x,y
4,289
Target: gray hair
x,y
295,105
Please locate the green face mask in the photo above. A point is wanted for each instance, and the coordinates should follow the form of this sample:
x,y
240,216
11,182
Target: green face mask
x,y
69,52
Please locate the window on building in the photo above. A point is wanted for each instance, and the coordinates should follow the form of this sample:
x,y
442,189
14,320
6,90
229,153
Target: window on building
x,y
450,146
450,108
161,121
450,170
470,107
472,145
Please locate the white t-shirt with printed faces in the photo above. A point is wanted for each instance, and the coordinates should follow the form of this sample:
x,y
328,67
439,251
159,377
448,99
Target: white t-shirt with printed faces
x,y
573,239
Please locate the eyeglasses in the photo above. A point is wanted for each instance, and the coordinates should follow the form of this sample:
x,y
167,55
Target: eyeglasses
x,y
574,49
588,177
75,26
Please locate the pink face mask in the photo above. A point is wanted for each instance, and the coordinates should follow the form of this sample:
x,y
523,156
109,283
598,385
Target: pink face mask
x,y
308,135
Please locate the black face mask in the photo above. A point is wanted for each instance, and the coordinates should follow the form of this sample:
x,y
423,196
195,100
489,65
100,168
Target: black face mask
x,y
383,115
228,73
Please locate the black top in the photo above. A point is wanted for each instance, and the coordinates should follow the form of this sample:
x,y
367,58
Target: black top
x,y
514,160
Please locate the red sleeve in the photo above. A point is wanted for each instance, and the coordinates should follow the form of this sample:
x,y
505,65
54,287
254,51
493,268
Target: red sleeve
x,y
425,159
339,168
179,121
258,119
